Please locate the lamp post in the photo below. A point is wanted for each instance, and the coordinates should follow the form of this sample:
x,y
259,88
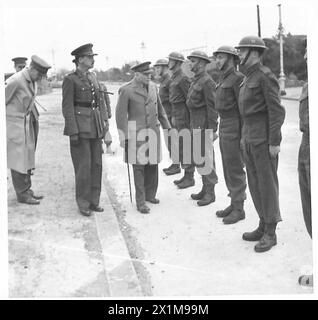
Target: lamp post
x,y
282,77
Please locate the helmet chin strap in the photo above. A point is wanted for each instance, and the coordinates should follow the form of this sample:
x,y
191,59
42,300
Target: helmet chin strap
x,y
242,63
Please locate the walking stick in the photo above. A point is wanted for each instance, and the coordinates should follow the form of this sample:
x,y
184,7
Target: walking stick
x,y
126,158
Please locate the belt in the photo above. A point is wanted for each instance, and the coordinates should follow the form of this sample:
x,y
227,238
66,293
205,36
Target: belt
x,y
83,104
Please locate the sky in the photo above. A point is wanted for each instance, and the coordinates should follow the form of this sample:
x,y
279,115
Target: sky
x,y
117,28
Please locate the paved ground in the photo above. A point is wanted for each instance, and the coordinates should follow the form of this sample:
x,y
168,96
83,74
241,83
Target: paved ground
x,y
177,250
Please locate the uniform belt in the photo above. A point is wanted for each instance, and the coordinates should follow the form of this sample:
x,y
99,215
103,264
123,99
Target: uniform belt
x,y
83,104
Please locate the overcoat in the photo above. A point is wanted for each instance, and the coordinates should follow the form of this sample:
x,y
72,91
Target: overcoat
x,y
20,92
139,113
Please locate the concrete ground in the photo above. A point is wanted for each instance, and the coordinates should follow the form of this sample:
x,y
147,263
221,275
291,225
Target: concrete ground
x,y
177,250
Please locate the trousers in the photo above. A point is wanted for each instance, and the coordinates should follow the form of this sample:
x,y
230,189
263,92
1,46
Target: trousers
x,y
146,182
21,183
87,162
262,179
304,182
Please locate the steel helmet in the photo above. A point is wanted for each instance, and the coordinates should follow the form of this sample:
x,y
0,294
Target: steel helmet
x,y
161,62
226,49
199,54
251,42
177,56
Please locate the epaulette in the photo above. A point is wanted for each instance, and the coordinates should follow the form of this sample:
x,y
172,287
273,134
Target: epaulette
x,y
266,70
124,85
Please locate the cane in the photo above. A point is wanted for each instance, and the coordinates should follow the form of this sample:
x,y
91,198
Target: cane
x,y
126,158
129,182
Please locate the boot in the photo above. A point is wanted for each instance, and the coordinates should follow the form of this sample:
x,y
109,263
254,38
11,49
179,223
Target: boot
x,y
224,213
208,197
306,280
187,182
176,182
268,240
257,234
173,169
198,196
236,215
143,208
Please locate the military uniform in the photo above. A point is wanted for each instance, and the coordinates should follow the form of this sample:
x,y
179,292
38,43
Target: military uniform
x,y
139,110
262,116
180,117
304,159
227,93
203,116
85,115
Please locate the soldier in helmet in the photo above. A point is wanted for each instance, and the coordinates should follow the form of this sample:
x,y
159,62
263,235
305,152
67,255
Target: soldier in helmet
x,y
162,72
203,119
304,166
227,93
263,116
180,116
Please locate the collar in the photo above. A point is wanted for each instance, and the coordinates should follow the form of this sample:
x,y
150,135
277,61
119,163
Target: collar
x,y
252,68
200,75
26,74
226,73
175,74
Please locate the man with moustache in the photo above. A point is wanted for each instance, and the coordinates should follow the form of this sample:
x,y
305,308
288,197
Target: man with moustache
x,y
203,122
263,116
226,104
84,111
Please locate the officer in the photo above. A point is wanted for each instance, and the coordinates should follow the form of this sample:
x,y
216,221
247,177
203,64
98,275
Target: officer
x,y
304,167
86,123
263,116
180,116
162,72
227,93
20,93
203,116
19,63
138,114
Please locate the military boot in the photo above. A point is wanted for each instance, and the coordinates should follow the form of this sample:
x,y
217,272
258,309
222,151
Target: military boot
x,y
236,215
198,196
224,213
268,240
187,182
176,182
208,197
173,169
257,234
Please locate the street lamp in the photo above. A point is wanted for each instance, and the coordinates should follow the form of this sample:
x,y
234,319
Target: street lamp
x,y
282,77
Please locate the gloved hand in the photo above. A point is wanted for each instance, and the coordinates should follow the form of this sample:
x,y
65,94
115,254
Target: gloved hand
x,y
274,151
74,140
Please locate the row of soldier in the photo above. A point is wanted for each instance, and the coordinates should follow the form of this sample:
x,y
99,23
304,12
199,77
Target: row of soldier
x,y
251,117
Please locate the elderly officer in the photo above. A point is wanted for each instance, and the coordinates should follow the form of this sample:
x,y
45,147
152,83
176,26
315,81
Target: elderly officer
x,y
19,63
139,113
162,72
203,117
180,116
263,116
86,123
227,93
20,93
304,166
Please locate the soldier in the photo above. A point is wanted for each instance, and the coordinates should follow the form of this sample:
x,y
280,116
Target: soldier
x,y
84,110
203,116
304,167
162,72
263,116
180,116
138,113
19,63
227,93
20,92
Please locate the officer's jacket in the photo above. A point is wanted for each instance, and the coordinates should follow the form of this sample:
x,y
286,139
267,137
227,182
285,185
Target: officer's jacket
x,y
260,108
83,106
139,113
226,103
304,113
164,93
201,103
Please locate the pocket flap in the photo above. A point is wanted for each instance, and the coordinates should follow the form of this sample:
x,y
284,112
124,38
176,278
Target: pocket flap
x,y
82,110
